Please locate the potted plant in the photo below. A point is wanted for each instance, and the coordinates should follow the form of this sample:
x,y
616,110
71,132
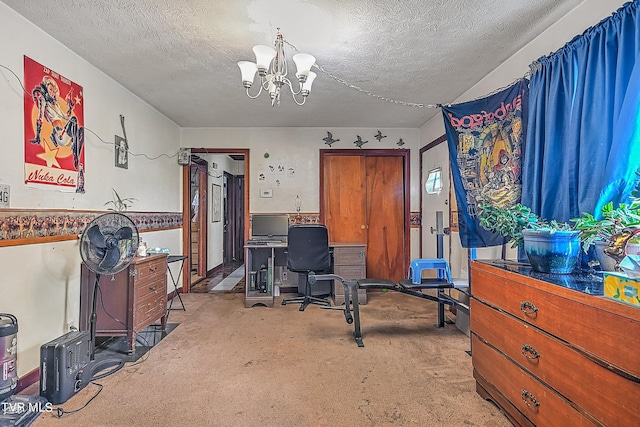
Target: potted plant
x,y
551,246
601,232
119,204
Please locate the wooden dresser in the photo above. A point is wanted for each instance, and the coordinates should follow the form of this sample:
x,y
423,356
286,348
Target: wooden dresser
x,y
349,262
128,301
551,355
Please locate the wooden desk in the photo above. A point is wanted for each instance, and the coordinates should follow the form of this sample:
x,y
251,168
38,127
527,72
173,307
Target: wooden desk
x,y
128,301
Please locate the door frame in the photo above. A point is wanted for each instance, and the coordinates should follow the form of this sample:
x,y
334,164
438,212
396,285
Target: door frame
x,y
427,147
400,152
186,189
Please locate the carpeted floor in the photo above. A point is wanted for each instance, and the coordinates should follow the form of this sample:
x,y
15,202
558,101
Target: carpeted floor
x,y
227,365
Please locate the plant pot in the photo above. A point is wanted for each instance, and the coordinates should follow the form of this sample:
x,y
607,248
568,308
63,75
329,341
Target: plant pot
x,y
606,262
552,251
632,249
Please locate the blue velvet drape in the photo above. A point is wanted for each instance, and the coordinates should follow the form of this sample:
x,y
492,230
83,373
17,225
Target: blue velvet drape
x,y
582,145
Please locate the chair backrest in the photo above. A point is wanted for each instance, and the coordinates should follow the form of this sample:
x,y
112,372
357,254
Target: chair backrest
x,y
308,248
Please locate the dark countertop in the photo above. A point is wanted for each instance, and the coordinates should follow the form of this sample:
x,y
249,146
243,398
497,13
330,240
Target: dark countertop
x,y
588,281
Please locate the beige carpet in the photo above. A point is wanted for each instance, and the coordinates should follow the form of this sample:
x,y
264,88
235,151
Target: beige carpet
x,y
226,365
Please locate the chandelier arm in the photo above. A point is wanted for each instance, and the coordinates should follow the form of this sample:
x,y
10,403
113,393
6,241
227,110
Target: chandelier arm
x,y
304,99
288,83
256,95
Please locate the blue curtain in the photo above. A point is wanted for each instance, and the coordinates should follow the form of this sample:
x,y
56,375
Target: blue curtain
x,y
582,145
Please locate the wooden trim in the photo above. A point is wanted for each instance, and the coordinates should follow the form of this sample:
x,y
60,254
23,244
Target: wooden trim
x,y
28,380
186,226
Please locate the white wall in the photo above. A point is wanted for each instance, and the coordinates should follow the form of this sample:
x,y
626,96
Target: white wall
x,y
587,14
39,283
296,148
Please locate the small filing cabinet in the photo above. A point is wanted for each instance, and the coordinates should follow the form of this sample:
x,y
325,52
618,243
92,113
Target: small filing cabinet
x,y
349,262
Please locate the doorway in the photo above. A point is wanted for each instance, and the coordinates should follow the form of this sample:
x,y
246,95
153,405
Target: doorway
x,y
198,218
221,246
365,199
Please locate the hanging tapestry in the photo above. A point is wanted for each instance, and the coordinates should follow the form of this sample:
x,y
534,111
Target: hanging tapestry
x,y
53,130
485,139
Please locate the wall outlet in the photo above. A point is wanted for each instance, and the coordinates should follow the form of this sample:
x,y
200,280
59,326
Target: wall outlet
x,y
284,275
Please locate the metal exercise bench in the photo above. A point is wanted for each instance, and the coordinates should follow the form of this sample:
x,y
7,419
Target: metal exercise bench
x,y
414,286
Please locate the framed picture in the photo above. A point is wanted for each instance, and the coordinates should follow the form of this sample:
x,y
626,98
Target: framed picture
x,y
122,153
216,203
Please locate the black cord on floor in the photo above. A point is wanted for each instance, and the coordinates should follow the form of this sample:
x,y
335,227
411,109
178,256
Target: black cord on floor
x,y
61,412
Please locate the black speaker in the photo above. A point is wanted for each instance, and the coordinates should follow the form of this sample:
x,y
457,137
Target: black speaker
x,y
65,366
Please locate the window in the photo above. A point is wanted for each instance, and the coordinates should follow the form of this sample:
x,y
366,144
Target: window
x,y
433,185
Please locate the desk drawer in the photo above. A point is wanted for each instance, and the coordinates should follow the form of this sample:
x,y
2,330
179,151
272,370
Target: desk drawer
x,y
538,403
349,255
582,381
618,337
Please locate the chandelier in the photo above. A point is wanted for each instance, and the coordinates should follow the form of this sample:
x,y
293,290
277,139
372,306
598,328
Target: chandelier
x,y
271,66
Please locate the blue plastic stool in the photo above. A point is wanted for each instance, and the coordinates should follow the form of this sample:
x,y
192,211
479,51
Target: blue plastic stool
x,y
418,265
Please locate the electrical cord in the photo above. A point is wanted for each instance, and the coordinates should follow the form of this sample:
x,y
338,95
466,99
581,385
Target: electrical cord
x,y
60,411
169,156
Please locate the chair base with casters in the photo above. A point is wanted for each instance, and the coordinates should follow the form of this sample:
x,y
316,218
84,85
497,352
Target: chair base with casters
x,y
307,298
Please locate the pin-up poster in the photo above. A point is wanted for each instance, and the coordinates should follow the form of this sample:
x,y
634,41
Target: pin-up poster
x,y
53,129
485,139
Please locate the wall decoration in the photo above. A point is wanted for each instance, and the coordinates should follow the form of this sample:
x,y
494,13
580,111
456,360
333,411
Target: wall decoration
x,y
216,203
400,143
359,142
122,153
329,139
485,139
53,129
291,173
379,136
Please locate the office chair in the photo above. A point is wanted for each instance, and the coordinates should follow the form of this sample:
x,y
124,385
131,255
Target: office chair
x,y
308,251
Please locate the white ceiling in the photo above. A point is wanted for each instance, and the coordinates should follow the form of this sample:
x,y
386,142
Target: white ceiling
x,y
181,56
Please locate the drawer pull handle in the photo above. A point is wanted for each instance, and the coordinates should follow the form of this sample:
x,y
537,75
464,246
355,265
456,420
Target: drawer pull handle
x,y
529,352
153,288
528,308
530,399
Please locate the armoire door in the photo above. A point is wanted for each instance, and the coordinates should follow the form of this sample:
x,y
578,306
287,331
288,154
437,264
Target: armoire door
x,y
364,200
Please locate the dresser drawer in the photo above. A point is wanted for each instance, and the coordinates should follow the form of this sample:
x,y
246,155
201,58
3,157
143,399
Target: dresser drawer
x,y
604,333
148,309
349,255
150,269
582,381
540,404
146,287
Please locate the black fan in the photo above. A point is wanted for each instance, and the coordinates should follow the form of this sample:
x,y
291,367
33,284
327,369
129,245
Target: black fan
x,y
107,246
109,243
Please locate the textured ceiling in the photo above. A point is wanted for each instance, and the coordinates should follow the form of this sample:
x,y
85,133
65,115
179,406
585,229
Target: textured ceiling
x,y
181,56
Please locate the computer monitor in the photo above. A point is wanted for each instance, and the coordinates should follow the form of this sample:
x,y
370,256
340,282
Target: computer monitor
x,y
269,226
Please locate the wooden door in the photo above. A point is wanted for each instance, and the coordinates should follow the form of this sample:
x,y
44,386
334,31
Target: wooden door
x,y
365,200
345,210
385,218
